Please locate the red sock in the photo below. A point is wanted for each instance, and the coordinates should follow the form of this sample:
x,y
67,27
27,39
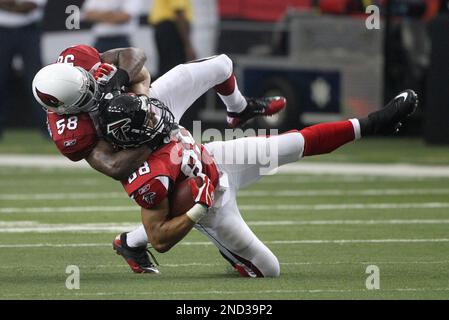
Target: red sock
x,y
326,137
226,88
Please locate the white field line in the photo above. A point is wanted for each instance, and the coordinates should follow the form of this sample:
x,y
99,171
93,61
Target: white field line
x,y
242,194
334,192
402,170
293,207
199,264
275,179
224,292
36,227
43,182
41,161
62,196
204,243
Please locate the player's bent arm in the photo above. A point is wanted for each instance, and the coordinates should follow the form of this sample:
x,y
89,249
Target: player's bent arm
x,y
141,83
163,232
131,60
118,165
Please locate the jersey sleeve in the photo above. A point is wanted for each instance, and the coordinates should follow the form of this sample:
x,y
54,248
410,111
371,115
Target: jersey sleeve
x,y
152,193
74,135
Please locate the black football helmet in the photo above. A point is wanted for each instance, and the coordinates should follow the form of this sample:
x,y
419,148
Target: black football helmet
x,y
130,121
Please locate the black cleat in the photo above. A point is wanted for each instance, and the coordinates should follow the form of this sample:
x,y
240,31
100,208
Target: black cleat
x,y
390,119
137,258
267,106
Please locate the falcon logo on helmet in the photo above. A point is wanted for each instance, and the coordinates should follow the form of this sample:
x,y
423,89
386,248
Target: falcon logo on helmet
x,y
119,129
130,121
48,99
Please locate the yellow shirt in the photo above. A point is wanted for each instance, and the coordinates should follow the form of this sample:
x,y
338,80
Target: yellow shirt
x,y
166,9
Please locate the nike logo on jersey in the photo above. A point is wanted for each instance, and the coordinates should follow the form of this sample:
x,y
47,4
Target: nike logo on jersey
x,y
404,94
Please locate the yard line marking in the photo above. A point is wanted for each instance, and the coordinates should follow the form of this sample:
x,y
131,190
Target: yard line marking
x,y
334,192
293,207
319,179
8,183
403,170
203,243
70,209
196,264
364,262
243,194
353,206
348,222
223,292
40,161
351,241
60,196
366,169
37,227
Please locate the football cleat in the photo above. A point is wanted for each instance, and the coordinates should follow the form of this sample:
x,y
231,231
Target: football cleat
x,y
267,106
391,118
137,258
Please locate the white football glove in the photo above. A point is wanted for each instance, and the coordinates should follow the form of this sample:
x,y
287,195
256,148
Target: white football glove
x,y
104,73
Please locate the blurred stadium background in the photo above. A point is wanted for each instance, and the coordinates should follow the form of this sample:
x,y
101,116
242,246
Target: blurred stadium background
x,y
329,224
318,53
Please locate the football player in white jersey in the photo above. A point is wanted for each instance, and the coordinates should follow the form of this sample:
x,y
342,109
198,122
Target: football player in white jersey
x,y
215,212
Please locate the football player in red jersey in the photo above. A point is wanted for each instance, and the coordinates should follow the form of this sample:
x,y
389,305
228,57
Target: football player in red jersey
x,y
71,95
130,120
72,111
73,126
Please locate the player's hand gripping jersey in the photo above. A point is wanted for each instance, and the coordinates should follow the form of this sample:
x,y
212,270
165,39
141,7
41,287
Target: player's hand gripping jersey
x,y
75,135
167,166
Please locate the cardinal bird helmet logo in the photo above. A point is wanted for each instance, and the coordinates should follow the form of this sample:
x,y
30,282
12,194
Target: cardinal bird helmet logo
x,y
48,99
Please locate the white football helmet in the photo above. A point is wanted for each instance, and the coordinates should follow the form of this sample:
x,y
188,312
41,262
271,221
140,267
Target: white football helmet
x,y
65,89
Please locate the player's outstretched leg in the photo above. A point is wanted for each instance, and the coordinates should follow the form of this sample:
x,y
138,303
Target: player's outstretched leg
x,y
326,137
314,140
390,119
136,257
240,108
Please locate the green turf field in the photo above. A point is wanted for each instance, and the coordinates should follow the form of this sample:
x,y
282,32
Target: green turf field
x,y
377,217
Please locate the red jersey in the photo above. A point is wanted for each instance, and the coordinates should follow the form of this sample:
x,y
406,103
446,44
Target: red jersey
x,y
75,135
155,179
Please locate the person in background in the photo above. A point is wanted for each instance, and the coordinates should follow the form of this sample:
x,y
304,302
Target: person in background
x,y
114,22
205,27
171,20
20,35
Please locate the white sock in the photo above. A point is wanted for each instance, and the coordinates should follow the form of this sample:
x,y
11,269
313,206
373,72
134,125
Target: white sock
x,y
235,102
357,130
137,237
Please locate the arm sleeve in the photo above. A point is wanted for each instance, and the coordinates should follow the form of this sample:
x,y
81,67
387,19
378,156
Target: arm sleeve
x,y
152,193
